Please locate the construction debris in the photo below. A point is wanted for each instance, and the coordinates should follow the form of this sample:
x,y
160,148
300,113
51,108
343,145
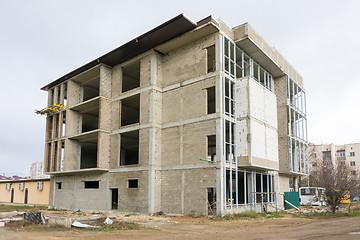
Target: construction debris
x,y
82,225
108,221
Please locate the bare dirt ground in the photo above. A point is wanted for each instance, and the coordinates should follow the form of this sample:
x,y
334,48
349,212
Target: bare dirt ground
x,y
204,228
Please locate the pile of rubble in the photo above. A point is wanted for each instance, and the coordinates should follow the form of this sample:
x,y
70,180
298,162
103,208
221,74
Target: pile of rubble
x,y
53,220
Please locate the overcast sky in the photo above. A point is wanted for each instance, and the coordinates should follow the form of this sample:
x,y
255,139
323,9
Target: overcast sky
x,y
41,41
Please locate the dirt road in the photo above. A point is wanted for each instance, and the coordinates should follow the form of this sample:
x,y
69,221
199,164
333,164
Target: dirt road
x,y
202,228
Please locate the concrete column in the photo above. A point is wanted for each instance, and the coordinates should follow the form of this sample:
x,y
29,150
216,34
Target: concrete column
x,y
220,197
116,83
154,141
74,93
105,81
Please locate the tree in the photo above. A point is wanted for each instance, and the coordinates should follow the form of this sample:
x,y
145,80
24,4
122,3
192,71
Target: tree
x,y
336,178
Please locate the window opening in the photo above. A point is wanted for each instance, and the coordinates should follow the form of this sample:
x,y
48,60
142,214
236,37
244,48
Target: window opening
x,y
211,106
133,183
58,185
91,184
211,140
211,63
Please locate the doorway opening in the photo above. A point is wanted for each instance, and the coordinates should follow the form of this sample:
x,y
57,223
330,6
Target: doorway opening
x,y
211,200
26,196
114,198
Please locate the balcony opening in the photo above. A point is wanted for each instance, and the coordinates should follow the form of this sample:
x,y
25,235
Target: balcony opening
x,y
133,183
129,148
91,88
48,162
89,122
91,184
57,126
131,76
62,154
88,158
63,125
65,95
55,156
51,98
211,107
50,128
130,110
58,97
211,63
211,141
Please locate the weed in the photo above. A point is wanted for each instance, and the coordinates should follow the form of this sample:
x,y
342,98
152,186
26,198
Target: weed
x,y
250,214
116,226
154,229
9,208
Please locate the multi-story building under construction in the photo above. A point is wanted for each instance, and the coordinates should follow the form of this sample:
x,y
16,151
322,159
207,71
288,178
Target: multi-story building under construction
x,y
188,118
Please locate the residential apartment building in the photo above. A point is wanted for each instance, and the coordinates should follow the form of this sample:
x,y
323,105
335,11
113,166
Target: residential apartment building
x,y
37,170
186,118
330,154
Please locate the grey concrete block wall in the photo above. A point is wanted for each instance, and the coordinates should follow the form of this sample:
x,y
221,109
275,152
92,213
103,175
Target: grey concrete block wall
x,y
131,199
73,194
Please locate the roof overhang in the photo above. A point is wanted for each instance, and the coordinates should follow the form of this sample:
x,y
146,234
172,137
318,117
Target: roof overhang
x,y
293,174
253,50
149,40
24,180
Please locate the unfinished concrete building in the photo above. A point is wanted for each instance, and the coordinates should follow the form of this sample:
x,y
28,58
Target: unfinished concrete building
x,y
190,117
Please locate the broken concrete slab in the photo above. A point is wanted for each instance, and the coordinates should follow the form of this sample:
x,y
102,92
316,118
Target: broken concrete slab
x,y
59,221
10,214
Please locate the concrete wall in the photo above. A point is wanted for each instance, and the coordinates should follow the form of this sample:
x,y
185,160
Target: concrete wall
x,y
131,199
73,194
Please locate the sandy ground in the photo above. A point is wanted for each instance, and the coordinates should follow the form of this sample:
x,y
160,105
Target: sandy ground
x,y
203,228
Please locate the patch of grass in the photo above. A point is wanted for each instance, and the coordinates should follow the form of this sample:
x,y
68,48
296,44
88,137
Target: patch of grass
x,y
154,229
10,208
251,214
275,215
331,215
23,225
116,226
